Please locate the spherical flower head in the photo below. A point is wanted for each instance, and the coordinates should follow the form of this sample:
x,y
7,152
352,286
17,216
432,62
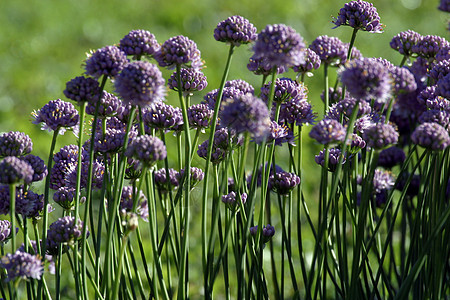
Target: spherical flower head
x,y
440,70
438,103
261,66
380,135
108,61
191,81
138,43
404,41
140,83
161,180
112,140
297,111
110,105
217,155
277,133
5,231
64,231
146,149
283,182
235,30
285,89
312,62
334,154
383,181
230,200
29,204
199,116
57,115
280,46
14,170
241,85
403,80
443,87
98,170
22,265
428,46
228,93
359,15
343,109
443,54
64,197
331,50
15,143
391,157
356,144
162,116
431,136
38,165
246,114
82,89
126,202
366,79
444,5
442,117
68,152
197,175
328,131
179,50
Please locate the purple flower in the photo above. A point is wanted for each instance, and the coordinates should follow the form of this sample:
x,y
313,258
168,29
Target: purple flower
x,y
98,170
62,232
224,141
112,140
197,175
191,81
443,54
140,83
331,50
439,103
126,202
33,250
68,152
81,89
14,170
443,87
383,180
428,93
267,232
312,62
366,79
298,111
444,5
441,117
161,180
139,42
235,30
246,114
359,15
334,95
179,50
22,265
343,109
283,182
4,199
278,133
328,131
280,46
108,61
162,116
431,136
404,41
403,80
428,46
199,116
56,115
391,157
110,105
414,185
241,85
356,144
334,154
286,89
230,200
261,66
146,149
59,173
278,169
64,196
380,135
5,231
228,93
15,143
440,70
38,165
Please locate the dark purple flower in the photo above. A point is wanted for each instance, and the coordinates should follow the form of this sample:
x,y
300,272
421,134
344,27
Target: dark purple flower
x,y
241,85
112,140
440,70
246,114
420,68
197,175
146,149
15,143
366,79
4,199
334,154
179,50
230,200
56,115
356,144
283,182
140,83
443,54
380,135
298,111
391,157
404,41
442,117
328,131
127,202
267,232
108,61
161,179
331,50
139,42
199,116
428,46
65,196
191,81
228,93
278,169
428,93
286,89
342,110
68,152
431,136
110,105
360,15
443,87
29,204
5,231
59,173
235,30
403,80
414,185
98,170
22,265
280,46
38,165
261,66
444,5
162,116
439,103
62,232
224,141
81,89
14,170
312,62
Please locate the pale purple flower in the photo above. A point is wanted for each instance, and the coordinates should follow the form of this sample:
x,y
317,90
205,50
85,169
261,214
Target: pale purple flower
x,y
110,105
235,30
331,50
191,81
431,136
404,41
108,61
380,135
334,155
161,179
328,131
138,43
179,50
283,182
15,143
22,265
14,170
146,149
241,85
312,62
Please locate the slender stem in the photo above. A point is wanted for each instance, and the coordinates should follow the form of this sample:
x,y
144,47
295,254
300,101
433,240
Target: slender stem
x,y
12,210
119,268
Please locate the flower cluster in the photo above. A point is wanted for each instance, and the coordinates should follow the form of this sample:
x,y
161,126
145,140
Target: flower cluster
x,y
359,15
235,30
15,143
